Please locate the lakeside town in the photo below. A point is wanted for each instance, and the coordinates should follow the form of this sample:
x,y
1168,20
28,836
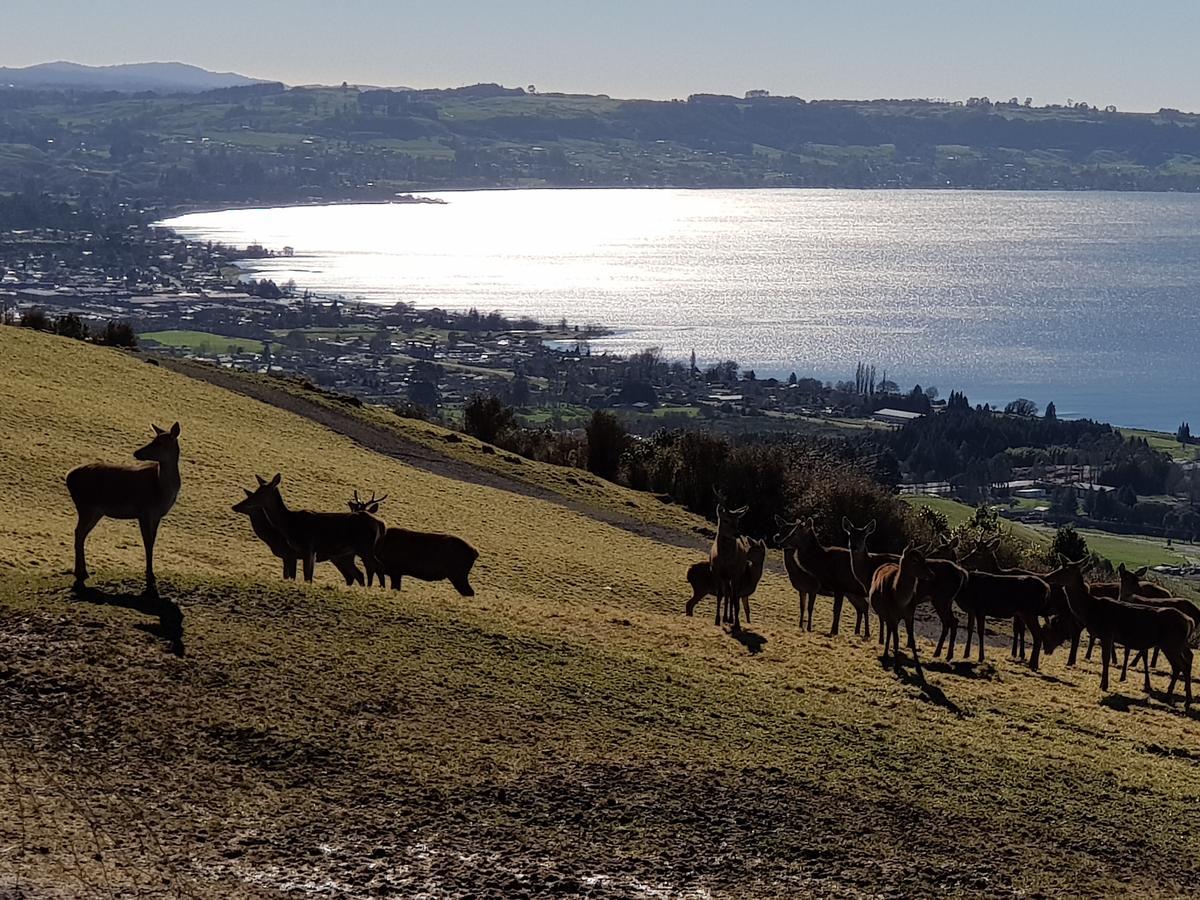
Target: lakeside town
x,y
192,300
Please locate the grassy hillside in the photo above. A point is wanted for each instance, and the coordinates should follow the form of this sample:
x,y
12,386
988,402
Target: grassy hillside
x,y
567,730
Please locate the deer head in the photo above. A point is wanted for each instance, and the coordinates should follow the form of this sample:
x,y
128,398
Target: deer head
x,y
259,498
163,448
365,506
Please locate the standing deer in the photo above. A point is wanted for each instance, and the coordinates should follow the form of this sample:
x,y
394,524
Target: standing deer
x,y
144,492
894,598
274,539
704,584
829,567
370,507
728,555
313,535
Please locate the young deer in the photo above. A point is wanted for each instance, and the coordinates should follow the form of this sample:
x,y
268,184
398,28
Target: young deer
x,y
313,535
728,556
894,598
144,492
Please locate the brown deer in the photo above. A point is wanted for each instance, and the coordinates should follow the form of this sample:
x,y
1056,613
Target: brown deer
x,y
704,583
1005,596
829,567
1125,621
1148,594
1112,590
279,547
728,556
144,492
313,535
941,590
426,556
803,582
894,598
982,557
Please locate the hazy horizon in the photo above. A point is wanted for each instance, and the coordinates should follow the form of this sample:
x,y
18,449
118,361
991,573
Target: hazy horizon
x,y
1093,52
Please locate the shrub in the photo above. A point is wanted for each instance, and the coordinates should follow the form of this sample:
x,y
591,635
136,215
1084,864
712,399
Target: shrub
x,y
35,318
1069,543
606,441
71,326
117,334
406,409
486,417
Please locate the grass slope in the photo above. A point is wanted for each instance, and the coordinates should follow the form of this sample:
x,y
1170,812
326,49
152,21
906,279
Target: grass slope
x,y
566,730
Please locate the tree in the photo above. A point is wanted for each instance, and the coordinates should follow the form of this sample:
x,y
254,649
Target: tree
x,y
117,334
1064,502
1069,543
71,326
1052,414
486,417
1184,433
1021,407
35,317
381,342
607,440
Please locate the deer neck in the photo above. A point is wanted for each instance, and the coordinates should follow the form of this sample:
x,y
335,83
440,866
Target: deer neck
x,y
168,479
279,516
906,584
860,566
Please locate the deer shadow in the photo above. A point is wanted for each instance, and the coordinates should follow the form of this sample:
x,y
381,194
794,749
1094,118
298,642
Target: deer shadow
x,y
1127,702
751,640
929,692
168,628
963,668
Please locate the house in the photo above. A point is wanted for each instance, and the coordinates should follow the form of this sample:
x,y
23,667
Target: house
x,y
897,417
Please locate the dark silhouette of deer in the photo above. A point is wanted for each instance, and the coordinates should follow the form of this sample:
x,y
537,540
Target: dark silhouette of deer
x,y
144,492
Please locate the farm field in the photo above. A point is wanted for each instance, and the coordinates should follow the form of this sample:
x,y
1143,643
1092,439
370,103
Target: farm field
x,y
203,340
567,730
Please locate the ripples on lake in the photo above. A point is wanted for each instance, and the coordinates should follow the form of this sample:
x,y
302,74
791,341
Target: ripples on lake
x,y
1087,299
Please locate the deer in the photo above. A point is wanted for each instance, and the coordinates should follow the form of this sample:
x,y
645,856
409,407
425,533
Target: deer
x,y
828,567
145,492
1112,590
893,596
315,534
1147,594
426,556
983,557
704,584
1126,621
728,555
804,583
1004,596
279,547
370,507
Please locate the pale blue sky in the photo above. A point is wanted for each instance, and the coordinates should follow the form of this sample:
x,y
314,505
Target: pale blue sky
x,y
1136,55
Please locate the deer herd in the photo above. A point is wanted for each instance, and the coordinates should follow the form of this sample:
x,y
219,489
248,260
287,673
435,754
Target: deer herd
x,y
1054,607
148,490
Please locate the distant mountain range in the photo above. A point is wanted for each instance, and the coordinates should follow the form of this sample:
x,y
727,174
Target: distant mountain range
x,y
160,77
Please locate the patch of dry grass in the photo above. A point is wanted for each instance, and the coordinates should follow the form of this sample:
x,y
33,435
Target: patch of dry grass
x,y
566,729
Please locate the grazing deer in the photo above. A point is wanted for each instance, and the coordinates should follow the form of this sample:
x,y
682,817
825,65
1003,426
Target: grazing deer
x,y
728,555
704,583
274,539
313,535
829,567
144,492
1125,621
894,598
426,556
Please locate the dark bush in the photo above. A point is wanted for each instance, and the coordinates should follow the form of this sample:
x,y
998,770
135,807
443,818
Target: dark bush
x,y
606,442
35,318
117,334
71,326
486,417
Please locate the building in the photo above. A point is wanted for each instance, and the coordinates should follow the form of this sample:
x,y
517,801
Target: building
x,y
897,417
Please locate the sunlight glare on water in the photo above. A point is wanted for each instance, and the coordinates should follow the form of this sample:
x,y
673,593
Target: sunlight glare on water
x,y
1087,299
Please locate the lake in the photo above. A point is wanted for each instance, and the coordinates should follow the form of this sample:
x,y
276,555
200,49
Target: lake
x,y
1091,300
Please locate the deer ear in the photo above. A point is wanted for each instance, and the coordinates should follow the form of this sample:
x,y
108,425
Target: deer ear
x,y
275,481
1140,573
175,430
871,527
994,544
157,430
1121,568
248,493
261,481
373,508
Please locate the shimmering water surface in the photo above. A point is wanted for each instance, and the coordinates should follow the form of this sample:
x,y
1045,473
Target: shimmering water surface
x,y
1091,300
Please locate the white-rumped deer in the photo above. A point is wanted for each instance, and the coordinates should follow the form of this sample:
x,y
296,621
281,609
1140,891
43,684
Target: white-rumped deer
x,y
313,535
144,492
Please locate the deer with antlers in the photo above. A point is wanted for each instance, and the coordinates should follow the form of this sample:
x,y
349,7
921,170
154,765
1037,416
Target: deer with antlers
x,y
313,535
145,492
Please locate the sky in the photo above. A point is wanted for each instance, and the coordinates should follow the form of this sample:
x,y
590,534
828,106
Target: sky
x,y
1138,56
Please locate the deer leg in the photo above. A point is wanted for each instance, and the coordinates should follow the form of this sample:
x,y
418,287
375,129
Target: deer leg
x,y
981,624
149,533
1146,671
1154,662
880,618
1125,663
1187,678
1075,636
396,582
87,521
289,568
912,645
1091,644
800,595
310,563
1035,631
970,634
812,601
746,606
1106,651
837,614
687,607
720,602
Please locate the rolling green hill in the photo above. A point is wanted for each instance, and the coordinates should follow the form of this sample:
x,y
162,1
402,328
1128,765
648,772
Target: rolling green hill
x,y
567,730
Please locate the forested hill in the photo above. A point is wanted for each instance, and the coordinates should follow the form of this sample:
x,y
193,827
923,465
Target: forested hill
x,y
270,143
